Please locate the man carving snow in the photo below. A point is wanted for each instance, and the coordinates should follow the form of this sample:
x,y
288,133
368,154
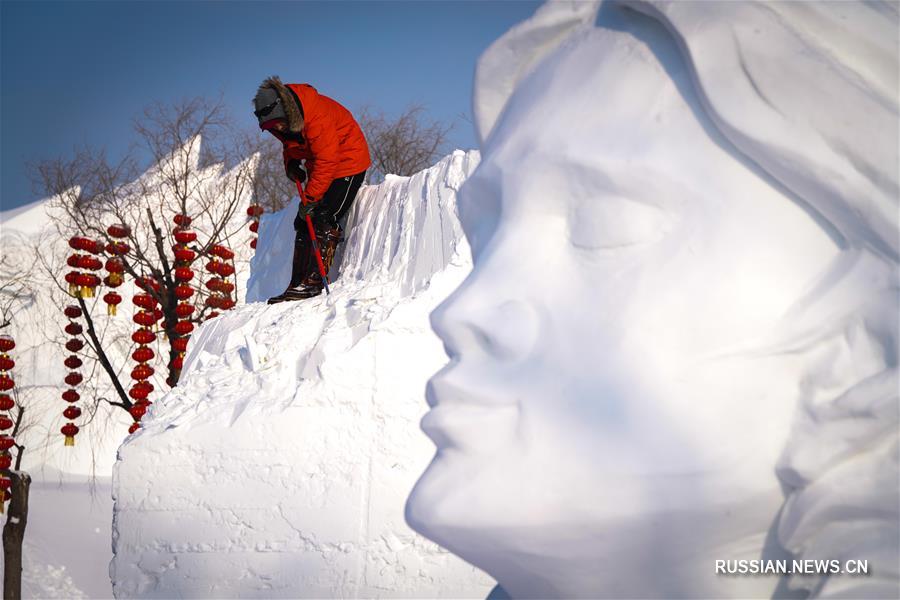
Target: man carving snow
x,y
322,140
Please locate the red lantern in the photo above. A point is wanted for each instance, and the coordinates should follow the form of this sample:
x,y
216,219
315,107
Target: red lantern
x,y
182,220
178,363
184,236
73,378
115,265
214,284
253,243
254,210
118,230
143,385
226,287
73,329
227,304
72,311
72,412
6,343
226,270
143,354
213,266
137,411
70,430
71,396
138,393
73,362
223,252
113,280
184,254
180,344
183,292
5,461
6,402
112,300
184,310
212,315
77,243
5,483
213,301
93,246
74,260
142,371
6,383
145,301
74,345
144,318
254,226
184,327
134,427
72,279
6,363
6,442
5,422
89,263
184,274
118,248
143,336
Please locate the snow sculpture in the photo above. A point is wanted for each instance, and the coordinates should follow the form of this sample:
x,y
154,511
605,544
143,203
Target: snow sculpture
x,y
678,344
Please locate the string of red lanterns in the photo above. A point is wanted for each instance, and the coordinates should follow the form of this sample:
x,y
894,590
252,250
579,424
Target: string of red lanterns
x,y
74,377
184,273
80,281
254,211
7,343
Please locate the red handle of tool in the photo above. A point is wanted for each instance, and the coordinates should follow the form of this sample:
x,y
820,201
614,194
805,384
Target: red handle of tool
x,y
312,236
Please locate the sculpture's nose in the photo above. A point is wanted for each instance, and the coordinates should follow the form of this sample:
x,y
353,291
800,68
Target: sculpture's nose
x,y
475,324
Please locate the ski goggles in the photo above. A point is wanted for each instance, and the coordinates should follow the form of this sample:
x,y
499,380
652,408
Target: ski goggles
x,y
265,110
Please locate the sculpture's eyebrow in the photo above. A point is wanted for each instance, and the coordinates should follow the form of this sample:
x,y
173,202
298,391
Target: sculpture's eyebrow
x,y
635,181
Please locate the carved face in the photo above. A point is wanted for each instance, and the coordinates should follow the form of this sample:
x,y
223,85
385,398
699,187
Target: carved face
x,y
607,352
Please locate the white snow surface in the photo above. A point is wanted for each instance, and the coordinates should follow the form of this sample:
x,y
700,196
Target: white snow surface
x,y
279,465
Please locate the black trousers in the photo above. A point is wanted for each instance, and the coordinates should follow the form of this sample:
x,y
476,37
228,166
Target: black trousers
x,y
334,204
329,210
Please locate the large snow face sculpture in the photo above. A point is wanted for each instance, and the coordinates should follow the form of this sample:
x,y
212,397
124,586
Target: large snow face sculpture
x,y
682,308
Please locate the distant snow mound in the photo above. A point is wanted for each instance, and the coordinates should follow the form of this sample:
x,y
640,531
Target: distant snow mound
x,y
279,465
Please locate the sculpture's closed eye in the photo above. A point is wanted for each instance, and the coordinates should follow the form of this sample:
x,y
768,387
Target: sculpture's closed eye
x,y
611,222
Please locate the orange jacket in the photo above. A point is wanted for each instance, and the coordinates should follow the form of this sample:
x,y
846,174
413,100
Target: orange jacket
x,y
334,145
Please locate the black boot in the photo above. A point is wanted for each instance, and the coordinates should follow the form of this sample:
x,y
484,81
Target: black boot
x,y
301,269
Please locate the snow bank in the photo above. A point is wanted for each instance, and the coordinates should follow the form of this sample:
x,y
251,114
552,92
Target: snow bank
x,y
279,465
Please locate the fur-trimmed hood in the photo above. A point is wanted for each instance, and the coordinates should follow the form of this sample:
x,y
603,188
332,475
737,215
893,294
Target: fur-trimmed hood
x,y
289,102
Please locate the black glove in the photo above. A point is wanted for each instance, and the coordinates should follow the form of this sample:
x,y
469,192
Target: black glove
x,y
295,171
305,209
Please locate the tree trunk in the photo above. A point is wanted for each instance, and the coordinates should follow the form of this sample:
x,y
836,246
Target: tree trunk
x,y
13,534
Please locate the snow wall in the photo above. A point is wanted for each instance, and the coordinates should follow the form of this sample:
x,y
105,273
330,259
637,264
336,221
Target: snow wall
x,y
280,464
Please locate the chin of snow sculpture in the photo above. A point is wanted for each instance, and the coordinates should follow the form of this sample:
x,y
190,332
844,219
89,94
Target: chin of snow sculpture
x,y
678,343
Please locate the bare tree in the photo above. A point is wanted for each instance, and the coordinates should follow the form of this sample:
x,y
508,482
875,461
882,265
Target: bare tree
x,y
195,179
403,145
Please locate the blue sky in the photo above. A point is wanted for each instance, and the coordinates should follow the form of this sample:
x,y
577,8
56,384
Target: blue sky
x,y
78,72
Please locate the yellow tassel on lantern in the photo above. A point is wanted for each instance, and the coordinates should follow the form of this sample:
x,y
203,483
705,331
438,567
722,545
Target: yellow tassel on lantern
x,y
115,278
70,440
111,310
2,504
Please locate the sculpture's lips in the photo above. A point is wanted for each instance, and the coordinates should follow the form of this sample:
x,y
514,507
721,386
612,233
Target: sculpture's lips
x,y
468,426
463,418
